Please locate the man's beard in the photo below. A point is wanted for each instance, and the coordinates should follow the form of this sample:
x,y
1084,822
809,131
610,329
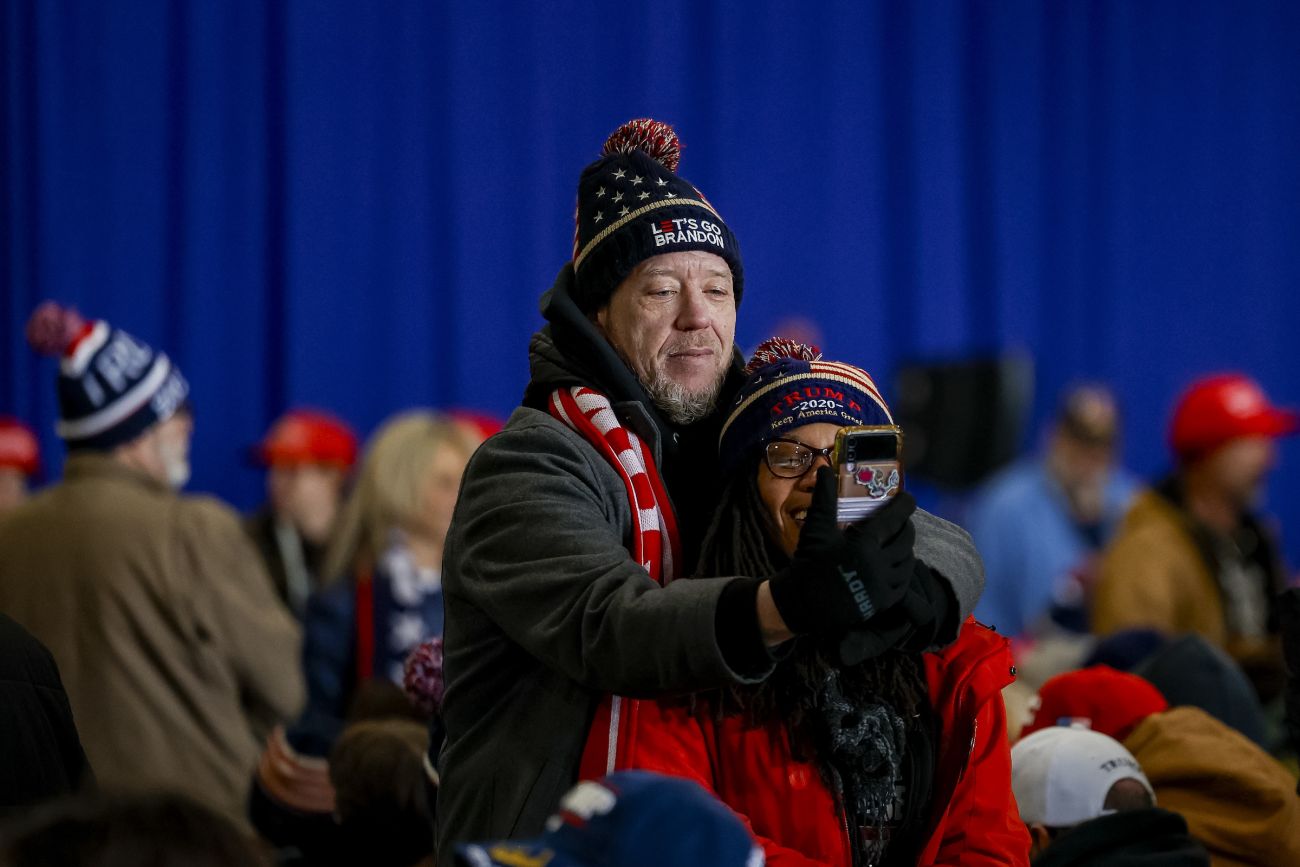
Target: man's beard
x,y
681,406
176,465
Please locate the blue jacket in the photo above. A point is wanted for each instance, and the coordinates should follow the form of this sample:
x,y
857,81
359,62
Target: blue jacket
x,y
1030,545
405,610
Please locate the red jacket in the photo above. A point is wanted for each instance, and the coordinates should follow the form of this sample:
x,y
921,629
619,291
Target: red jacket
x,y
794,816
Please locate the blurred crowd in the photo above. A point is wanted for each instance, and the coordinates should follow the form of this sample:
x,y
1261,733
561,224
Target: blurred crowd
x,y
628,625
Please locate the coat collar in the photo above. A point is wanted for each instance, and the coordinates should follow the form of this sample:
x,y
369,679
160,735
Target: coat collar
x,y
100,465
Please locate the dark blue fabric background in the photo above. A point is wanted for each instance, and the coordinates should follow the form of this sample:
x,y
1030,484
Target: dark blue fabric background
x,y
356,205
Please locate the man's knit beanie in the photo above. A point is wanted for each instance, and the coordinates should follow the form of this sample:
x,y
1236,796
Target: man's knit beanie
x,y
112,387
632,205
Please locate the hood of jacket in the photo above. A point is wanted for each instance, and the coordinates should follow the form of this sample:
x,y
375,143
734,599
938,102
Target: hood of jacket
x,y
1237,799
1189,670
1138,838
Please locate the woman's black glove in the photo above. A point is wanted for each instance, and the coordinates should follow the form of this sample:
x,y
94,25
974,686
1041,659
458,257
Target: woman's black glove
x,y
915,624
886,631
840,579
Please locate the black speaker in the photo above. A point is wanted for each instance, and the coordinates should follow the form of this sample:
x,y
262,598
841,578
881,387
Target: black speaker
x,y
963,419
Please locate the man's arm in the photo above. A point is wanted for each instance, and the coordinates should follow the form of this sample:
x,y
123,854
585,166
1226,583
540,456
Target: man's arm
x,y
538,544
254,632
950,553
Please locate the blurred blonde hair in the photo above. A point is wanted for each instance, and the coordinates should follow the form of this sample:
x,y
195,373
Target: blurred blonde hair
x,y
387,493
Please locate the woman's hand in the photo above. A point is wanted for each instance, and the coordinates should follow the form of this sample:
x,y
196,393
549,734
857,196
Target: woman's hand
x,y
840,579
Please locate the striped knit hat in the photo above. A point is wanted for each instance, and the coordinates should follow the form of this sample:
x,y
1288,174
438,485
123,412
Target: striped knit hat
x,y
112,387
632,206
788,385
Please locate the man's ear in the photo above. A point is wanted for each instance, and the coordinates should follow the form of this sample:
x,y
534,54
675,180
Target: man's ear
x,y
1039,840
599,318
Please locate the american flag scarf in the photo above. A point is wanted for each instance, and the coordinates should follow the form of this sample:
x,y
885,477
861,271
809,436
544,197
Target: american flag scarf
x,y
655,545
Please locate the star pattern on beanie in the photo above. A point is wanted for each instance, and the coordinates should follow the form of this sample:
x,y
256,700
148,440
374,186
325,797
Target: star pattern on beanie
x,y
618,194
632,206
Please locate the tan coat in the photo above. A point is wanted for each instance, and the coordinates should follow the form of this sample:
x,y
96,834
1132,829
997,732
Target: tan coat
x,y
175,652
1237,799
1153,575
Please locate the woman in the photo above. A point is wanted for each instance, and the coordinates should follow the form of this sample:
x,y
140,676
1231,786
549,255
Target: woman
x,y
387,556
358,631
901,759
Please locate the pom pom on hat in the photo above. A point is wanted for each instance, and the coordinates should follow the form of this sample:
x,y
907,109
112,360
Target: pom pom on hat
x,y
423,678
774,349
52,328
656,138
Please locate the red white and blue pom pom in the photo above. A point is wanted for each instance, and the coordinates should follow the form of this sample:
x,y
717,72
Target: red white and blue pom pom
x,y
654,137
423,678
774,349
52,328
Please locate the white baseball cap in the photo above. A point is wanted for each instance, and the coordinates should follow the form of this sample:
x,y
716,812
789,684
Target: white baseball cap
x,y
1061,775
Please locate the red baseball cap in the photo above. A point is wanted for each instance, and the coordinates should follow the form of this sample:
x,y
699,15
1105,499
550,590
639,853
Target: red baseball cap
x,y
18,447
1219,408
304,436
479,423
1100,698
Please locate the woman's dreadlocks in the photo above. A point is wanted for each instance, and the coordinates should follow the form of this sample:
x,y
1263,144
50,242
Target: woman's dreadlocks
x,y
741,541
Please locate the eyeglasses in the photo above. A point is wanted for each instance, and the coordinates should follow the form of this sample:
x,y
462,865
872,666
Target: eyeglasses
x,y
790,459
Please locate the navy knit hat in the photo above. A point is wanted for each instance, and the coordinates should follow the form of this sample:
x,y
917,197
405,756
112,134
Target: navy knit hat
x,y
632,206
112,387
629,819
788,385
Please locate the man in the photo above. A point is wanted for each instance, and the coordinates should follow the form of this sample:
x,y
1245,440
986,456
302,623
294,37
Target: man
x,y
1238,801
20,459
175,655
1192,555
601,487
1040,523
1086,801
307,455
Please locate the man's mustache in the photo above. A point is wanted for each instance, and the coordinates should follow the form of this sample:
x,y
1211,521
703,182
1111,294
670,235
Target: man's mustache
x,y
701,343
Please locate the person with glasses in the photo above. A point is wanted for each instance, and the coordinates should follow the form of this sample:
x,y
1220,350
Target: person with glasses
x,y
574,520
884,750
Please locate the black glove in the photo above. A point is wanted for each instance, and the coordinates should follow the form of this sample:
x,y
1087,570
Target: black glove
x,y
887,630
839,579
914,624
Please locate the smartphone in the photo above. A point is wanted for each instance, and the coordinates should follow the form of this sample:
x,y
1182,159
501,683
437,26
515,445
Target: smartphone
x,y
867,461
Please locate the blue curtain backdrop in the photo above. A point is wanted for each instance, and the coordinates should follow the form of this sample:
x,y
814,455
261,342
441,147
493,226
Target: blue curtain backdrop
x,y
356,205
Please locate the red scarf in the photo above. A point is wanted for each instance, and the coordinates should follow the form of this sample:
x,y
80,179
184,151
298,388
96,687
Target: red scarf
x,y
655,546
